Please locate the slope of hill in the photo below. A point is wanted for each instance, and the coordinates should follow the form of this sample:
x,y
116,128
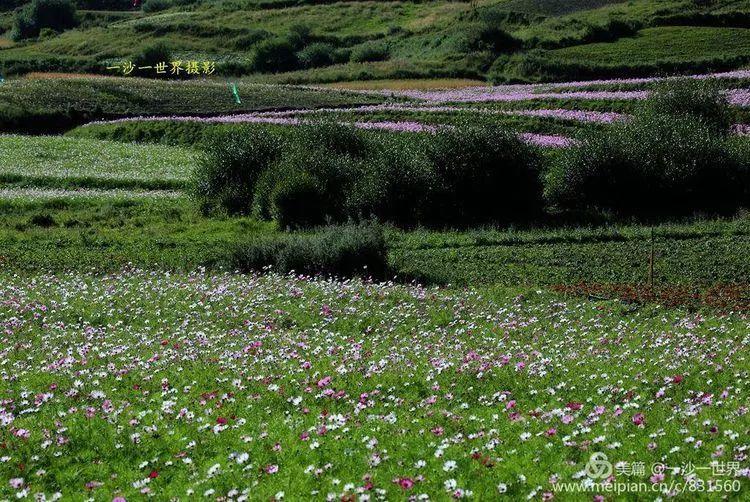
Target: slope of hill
x,y
312,41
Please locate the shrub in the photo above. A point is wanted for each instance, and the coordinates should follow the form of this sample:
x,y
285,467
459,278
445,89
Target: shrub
x,y
226,174
149,6
338,139
336,250
485,175
317,54
273,55
151,55
397,185
370,51
58,15
493,39
298,201
700,99
333,176
248,40
654,166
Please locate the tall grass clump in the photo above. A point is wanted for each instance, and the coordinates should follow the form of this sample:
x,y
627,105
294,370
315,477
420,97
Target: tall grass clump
x,y
673,158
345,250
227,172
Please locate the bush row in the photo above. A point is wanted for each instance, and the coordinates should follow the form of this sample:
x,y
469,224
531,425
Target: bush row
x,y
332,173
675,157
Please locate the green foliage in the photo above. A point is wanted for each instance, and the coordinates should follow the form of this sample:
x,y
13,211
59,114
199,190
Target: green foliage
x,y
152,55
298,200
348,250
486,175
657,165
58,15
226,175
247,41
398,185
274,55
491,38
703,100
317,54
150,6
370,51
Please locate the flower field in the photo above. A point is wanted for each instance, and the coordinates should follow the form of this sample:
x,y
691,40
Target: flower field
x,y
271,250
259,387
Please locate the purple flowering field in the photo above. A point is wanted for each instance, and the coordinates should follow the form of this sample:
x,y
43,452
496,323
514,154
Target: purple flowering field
x,y
474,102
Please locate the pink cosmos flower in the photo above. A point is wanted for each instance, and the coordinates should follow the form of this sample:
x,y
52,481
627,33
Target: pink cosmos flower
x,y
324,382
271,469
566,419
639,420
406,483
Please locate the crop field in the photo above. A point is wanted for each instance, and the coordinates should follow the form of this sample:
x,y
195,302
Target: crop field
x,y
59,161
387,250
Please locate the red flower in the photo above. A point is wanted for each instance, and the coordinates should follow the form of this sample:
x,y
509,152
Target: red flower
x,y
221,420
153,474
677,379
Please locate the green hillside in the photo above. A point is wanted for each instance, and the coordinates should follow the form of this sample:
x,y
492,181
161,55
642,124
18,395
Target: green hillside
x,y
302,41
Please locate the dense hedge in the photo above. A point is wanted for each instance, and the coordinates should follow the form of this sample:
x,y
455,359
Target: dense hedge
x,y
674,158
468,175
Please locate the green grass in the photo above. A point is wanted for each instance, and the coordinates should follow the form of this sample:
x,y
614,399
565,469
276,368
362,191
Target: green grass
x,y
696,255
669,43
67,162
108,233
425,39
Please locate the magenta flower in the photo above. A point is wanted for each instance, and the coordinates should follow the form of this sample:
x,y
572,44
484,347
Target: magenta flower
x,y
406,483
639,420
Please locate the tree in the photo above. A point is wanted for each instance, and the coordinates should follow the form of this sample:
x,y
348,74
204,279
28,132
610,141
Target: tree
x,y
57,15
